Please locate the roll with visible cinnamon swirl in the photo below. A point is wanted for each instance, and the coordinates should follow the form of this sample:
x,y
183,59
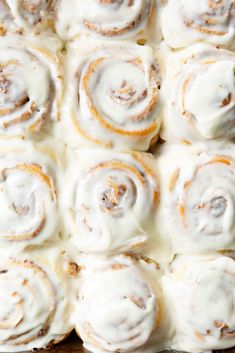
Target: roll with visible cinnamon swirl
x,y
112,200
30,87
33,307
198,198
33,15
28,196
201,105
104,18
120,306
187,21
112,95
201,292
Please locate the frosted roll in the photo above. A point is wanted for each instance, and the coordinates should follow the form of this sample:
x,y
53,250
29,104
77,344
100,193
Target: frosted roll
x,y
112,96
31,15
102,18
128,315
198,199
30,87
28,196
112,201
33,308
202,294
201,103
187,21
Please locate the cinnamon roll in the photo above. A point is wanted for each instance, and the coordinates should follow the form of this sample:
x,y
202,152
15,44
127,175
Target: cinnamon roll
x,y
201,292
33,15
120,306
28,196
33,306
112,95
187,21
198,199
112,198
201,104
30,87
103,18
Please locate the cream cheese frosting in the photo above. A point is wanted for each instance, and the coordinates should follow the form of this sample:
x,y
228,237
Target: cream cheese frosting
x,y
129,241
130,314
31,87
106,19
199,93
201,294
28,196
112,95
34,306
186,21
111,200
30,15
197,198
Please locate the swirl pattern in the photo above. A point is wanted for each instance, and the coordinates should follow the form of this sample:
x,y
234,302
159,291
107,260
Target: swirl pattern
x,y
33,14
113,97
128,314
28,306
203,294
200,199
185,21
27,197
105,18
112,202
24,105
206,76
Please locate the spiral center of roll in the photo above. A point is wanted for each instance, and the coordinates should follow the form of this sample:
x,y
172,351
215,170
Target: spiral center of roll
x,y
117,194
218,206
119,98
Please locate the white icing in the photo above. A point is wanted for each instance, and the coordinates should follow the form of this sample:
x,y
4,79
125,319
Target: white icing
x,y
114,19
33,307
112,198
197,198
28,196
201,294
32,15
187,21
30,86
114,103
129,314
201,103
